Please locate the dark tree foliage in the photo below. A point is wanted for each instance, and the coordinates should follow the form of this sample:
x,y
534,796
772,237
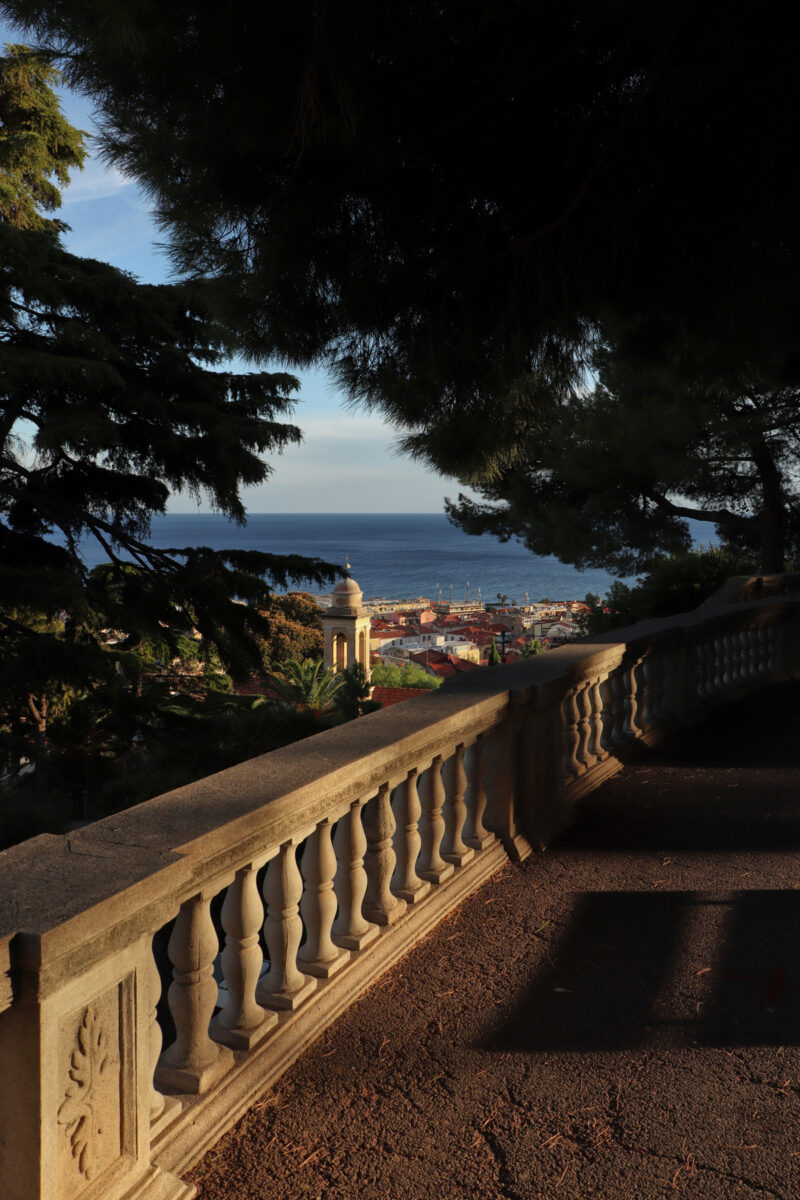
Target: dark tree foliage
x,y
113,394
444,201
616,471
673,583
109,403
352,697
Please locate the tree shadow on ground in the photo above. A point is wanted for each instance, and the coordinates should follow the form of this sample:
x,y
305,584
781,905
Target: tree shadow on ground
x,y
616,979
621,974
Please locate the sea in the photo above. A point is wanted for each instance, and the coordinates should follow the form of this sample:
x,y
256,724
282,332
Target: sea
x,y
391,555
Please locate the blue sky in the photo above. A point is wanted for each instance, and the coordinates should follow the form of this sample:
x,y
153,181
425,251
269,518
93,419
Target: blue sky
x,y
347,462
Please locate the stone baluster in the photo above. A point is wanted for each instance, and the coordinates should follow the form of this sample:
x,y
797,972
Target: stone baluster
x,y
732,658
284,986
319,956
764,651
407,810
774,644
704,665
193,1062
618,687
648,712
705,669
595,717
756,665
454,849
582,725
722,669
380,905
755,652
752,653
157,1099
730,643
632,697
242,1023
742,656
715,667
431,865
572,766
663,691
350,930
475,835
672,705
745,662
660,699
589,725
591,711
698,649
605,710
720,665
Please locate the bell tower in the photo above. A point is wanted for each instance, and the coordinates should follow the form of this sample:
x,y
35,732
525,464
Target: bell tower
x,y
345,628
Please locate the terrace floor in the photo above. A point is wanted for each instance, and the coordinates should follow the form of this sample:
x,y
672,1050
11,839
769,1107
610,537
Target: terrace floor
x,y
618,1017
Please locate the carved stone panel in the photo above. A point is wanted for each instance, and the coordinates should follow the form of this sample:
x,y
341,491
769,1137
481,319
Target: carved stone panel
x,y
95,1095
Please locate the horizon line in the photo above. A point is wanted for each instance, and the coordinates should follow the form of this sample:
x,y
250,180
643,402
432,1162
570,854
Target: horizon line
x,y
327,513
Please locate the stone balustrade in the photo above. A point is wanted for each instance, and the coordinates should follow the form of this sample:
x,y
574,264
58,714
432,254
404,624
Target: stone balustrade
x,y
297,878
754,587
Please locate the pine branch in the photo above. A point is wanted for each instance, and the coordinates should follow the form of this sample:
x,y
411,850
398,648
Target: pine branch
x,y
723,516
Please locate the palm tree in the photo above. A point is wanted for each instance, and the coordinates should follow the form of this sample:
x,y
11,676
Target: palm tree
x,y
307,684
352,700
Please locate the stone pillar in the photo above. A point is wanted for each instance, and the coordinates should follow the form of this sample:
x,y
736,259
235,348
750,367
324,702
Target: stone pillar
x,y
76,1049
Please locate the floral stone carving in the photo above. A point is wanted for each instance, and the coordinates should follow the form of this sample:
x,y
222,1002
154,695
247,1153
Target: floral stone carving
x,y
78,1112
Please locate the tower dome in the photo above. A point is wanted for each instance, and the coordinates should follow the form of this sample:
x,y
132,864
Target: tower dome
x,y
345,629
346,594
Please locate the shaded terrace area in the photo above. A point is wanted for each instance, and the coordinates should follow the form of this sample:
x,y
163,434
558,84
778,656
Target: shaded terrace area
x,y
616,1017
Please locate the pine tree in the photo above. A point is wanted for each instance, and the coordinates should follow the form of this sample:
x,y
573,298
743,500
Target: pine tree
x,y
36,141
114,395
446,201
654,443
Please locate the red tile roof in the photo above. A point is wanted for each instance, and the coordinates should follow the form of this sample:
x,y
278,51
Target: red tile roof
x,y
443,665
256,685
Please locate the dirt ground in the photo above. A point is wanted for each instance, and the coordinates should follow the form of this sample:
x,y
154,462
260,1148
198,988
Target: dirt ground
x,y
618,1017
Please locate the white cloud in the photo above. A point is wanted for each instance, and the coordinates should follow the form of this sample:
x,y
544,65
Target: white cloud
x,y
344,428
96,182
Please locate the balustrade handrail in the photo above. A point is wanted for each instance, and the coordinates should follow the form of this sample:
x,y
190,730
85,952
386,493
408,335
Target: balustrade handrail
x,y
740,588
397,815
